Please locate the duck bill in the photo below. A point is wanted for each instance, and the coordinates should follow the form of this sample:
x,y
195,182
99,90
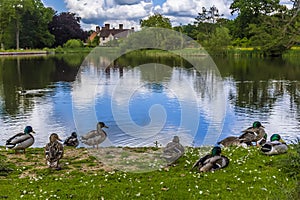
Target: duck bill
x,y
105,126
32,131
282,141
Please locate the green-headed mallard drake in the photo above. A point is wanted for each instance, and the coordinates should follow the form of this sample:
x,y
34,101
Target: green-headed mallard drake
x,y
95,137
21,141
54,151
275,146
173,151
213,161
253,134
72,141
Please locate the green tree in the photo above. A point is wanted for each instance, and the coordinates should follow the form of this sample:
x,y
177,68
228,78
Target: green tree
x,y
39,18
156,20
249,12
277,33
218,41
27,21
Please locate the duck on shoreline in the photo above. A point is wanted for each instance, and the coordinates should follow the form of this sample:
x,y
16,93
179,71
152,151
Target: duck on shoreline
x,y
21,141
54,151
72,141
253,134
275,146
95,137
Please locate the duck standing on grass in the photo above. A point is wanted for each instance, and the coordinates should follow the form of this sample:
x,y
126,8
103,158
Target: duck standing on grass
x,y
72,141
275,146
95,137
21,141
213,161
253,134
54,151
173,151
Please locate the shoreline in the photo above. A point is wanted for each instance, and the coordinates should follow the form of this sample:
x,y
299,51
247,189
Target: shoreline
x,y
18,53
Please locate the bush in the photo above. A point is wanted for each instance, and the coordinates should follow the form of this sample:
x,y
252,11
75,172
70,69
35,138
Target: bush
x,y
73,43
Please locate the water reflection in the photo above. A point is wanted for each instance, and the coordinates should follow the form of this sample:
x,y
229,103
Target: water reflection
x,y
55,94
36,91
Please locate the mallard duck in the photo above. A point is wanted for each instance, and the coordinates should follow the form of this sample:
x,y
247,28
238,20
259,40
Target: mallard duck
x,y
253,134
173,151
21,141
72,140
95,137
275,146
213,161
54,151
232,141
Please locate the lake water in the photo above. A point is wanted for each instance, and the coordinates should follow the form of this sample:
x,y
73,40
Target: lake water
x,y
146,100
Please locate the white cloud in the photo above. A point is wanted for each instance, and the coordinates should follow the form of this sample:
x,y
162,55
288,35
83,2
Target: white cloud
x,y
129,12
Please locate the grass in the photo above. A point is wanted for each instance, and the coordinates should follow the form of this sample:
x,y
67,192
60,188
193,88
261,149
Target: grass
x,y
85,175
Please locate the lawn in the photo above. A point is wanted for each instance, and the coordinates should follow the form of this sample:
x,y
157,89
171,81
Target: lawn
x,y
116,173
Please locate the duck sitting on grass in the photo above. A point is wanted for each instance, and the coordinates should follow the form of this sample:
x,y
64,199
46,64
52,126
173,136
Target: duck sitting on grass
x,y
72,141
253,134
213,161
21,141
173,151
54,151
275,146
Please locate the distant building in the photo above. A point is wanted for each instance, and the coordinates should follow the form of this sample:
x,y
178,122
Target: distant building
x,y
107,34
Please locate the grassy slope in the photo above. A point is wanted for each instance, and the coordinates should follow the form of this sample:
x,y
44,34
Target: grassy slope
x,y
250,175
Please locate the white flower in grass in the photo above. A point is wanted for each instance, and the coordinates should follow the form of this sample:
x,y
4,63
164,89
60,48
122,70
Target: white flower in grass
x,y
138,194
274,176
200,192
161,183
265,189
22,196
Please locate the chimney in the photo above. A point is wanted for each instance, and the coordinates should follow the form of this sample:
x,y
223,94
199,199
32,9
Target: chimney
x,y
121,26
107,26
97,29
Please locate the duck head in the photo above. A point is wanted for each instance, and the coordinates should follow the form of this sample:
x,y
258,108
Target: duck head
x,y
28,129
276,137
176,139
74,134
102,125
54,137
257,124
216,151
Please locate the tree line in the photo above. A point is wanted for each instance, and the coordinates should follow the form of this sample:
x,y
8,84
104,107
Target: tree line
x,y
266,25
29,24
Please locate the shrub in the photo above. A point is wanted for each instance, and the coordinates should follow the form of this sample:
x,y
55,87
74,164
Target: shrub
x,y
73,43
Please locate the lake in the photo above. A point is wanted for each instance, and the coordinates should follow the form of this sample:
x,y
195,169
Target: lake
x,y
146,100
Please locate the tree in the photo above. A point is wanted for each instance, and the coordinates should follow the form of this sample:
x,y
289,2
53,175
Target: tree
x,y
25,20
156,20
210,15
66,26
39,18
278,32
249,12
218,41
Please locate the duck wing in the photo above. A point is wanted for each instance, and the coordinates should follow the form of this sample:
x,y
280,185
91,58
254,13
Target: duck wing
x,y
20,141
89,135
20,137
248,137
199,163
54,151
231,140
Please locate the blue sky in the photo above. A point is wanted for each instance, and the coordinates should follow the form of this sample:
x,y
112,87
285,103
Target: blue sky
x,y
130,12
